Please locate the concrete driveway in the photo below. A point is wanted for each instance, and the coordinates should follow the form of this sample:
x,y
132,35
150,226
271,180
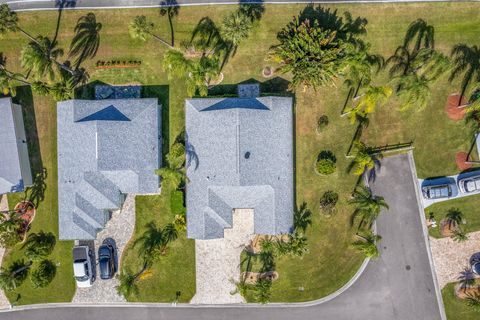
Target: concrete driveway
x,y
397,286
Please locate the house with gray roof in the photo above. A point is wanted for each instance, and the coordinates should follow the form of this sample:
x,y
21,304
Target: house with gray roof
x,y
15,171
239,156
106,149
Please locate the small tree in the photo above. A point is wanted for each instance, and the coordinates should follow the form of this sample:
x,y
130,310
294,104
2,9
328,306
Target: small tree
x,y
43,274
14,275
39,245
326,163
367,206
328,201
459,236
368,244
127,283
454,217
262,291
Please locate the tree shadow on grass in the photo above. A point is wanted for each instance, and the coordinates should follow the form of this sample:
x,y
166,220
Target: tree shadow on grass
x,y
276,86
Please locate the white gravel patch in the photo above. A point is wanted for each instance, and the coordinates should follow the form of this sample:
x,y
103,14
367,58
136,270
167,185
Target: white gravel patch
x,y
120,228
451,258
4,303
218,262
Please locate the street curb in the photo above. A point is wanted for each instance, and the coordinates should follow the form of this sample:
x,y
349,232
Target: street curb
x,y
224,2
331,296
421,210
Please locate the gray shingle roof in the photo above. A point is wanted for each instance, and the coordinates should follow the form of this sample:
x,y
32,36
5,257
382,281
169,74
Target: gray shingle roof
x,y
106,149
239,155
13,148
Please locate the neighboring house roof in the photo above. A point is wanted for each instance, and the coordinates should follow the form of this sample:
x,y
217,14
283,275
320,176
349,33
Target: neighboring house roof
x,y
106,148
15,172
239,155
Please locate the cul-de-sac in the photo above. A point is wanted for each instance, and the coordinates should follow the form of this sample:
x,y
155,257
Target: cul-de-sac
x,y
239,159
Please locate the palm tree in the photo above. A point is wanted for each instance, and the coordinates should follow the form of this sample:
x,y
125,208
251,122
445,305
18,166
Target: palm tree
x,y
235,28
466,278
40,56
302,218
86,41
460,236
414,92
371,98
9,22
454,217
367,206
365,160
127,283
176,156
424,34
14,275
362,67
262,291
368,244
466,61
141,28
473,301
297,244
170,9
154,241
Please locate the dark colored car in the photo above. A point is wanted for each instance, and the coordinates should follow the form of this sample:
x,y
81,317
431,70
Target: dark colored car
x,y
476,267
106,261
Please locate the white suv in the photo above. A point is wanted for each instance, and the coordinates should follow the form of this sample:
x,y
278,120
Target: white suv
x,y
82,266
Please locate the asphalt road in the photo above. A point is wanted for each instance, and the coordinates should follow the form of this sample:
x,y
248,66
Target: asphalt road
x,y
21,5
397,286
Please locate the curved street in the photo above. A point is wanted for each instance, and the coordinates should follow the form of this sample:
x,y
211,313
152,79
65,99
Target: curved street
x,y
399,285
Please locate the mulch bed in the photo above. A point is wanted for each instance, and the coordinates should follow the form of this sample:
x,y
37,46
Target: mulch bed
x,y
267,72
464,293
253,277
452,108
27,211
447,229
460,159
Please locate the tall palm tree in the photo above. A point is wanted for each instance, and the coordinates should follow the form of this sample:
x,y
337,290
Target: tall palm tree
x,y
414,92
9,22
466,61
154,241
176,156
367,206
235,28
365,160
41,56
421,34
454,217
371,98
141,28
368,244
170,9
302,218
262,291
127,283
362,67
86,41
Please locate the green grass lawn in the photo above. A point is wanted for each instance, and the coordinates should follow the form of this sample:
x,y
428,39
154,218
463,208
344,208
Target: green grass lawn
x,y
172,273
40,123
468,205
455,308
330,262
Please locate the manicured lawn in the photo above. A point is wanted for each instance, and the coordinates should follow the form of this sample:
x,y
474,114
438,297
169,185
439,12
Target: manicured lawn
x,y
40,122
455,308
468,205
330,262
174,272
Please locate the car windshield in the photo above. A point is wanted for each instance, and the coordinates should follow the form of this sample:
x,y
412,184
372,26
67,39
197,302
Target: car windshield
x,y
439,192
476,268
83,273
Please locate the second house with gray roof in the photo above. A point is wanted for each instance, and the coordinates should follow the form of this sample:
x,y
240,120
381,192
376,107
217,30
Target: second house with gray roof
x,y
239,156
106,149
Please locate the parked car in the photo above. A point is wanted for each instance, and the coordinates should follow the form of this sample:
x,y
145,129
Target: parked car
x,y
437,191
82,266
106,261
470,184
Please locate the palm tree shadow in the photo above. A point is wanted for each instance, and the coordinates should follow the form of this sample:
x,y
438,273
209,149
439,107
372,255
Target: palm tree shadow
x,y
61,4
86,41
252,9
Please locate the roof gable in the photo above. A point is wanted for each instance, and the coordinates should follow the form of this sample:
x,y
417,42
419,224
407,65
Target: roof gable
x,y
109,113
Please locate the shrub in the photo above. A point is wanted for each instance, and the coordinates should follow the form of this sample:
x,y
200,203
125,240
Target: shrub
x,y
328,201
322,123
43,274
39,245
326,162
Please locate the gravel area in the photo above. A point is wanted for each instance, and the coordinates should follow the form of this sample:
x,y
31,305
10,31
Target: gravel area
x,y
218,262
117,232
4,303
451,258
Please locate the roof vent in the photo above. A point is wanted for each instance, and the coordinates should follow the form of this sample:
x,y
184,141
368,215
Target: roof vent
x,y
247,154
